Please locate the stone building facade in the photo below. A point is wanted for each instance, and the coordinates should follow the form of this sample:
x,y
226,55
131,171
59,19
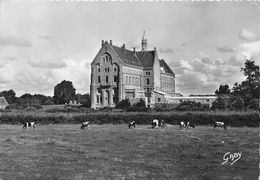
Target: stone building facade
x,y
118,73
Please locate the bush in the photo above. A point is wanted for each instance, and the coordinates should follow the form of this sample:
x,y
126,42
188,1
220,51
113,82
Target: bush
x,y
13,106
137,109
124,104
234,119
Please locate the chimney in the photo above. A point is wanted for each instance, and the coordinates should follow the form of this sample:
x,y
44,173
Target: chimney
x,y
155,48
134,50
102,42
111,42
123,47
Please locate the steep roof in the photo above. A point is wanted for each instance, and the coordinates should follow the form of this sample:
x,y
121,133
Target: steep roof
x,y
140,58
146,58
3,102
127,56
164,67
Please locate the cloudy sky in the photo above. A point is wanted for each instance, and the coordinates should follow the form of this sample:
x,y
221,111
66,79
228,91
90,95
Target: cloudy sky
x,y
205,43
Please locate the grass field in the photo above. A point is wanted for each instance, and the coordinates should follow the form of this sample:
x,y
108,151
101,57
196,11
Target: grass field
x,y
116,152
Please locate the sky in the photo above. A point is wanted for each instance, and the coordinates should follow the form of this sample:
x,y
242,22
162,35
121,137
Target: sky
x,y
205,43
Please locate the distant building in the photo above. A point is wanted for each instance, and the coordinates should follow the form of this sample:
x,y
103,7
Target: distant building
x,y
118,73
202,99
3,103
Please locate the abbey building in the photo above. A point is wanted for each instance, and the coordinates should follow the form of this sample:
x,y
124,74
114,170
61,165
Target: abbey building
x,y
118,73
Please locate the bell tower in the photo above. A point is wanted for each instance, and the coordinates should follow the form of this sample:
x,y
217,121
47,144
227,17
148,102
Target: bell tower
x,y
144,43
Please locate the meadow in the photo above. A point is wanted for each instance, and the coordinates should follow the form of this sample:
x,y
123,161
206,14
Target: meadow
x,y
63,151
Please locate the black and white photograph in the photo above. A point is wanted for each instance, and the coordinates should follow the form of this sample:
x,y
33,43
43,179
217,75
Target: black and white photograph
x,y
129,90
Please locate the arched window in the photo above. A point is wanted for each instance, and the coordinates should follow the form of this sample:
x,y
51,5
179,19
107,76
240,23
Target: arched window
x,y
98,67
99,98
99,79
147,81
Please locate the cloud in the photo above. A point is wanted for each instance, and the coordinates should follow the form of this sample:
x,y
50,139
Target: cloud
x,y
206,60
45,37
183,44
203,75
76,72
219,62
6,74
14,41
44,64
166,50
225,49
249,50
10,58
248,35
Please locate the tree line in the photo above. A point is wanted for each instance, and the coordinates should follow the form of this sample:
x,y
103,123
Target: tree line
x,y
242,96
64,93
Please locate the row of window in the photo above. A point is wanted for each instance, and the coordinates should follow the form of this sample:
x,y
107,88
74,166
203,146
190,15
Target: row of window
x,y
147,73
107,79
167,85
107,69
133,80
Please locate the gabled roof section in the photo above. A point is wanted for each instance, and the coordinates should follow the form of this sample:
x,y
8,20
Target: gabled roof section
x,y
146,58
127,56
165,68
3,102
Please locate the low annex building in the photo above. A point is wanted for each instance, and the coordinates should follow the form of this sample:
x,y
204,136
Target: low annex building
x,y
118,73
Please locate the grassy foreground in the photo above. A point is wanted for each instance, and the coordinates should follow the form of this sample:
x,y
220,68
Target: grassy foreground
x,y
116,152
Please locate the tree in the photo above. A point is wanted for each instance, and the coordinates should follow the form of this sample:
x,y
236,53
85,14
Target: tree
x,y
222,101
64,92
141,103
249,90
84,99
235,103
222,90
9,96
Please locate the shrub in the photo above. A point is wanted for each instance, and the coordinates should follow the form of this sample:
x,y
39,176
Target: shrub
x,y
124,104
234,119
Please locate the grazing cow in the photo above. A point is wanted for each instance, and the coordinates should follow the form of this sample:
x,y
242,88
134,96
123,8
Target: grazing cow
x,y
132,123
182,124
155,123
29,124
84,124
186,125
162,124
220,124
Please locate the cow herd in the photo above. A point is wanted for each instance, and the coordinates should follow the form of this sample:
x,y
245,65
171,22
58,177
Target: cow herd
x,y
155,124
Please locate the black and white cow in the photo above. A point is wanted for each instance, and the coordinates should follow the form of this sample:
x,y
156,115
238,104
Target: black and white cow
x,y
186,125
155,123
220,124
131,124
162,123
84,124
189,124
26,125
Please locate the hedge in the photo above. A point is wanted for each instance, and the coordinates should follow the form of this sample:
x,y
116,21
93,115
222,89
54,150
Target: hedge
x,y
234,119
